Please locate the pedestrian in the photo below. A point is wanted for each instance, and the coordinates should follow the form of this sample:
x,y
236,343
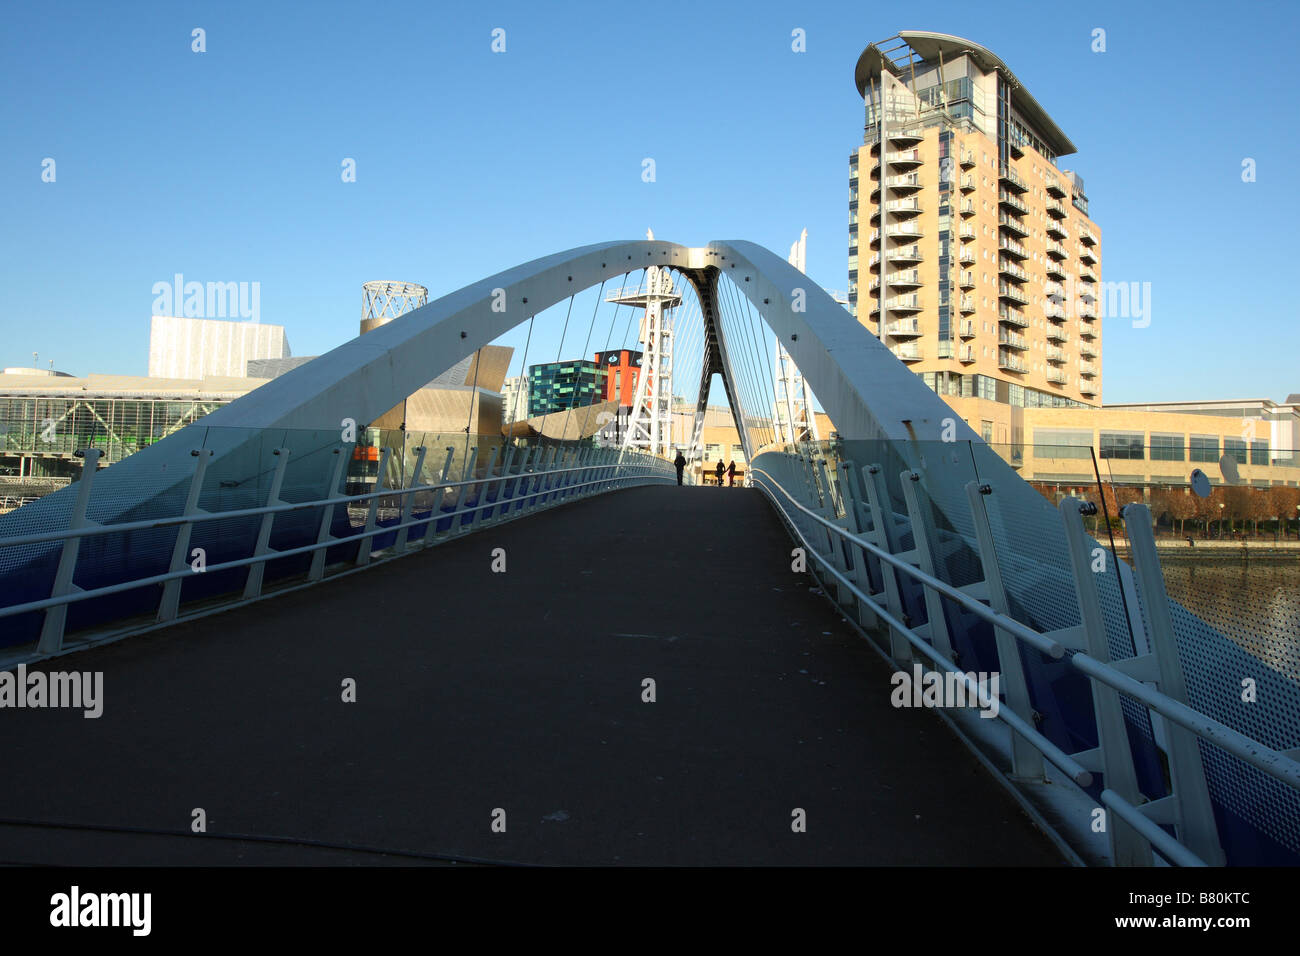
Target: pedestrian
x,y
680,462
731,475
719,470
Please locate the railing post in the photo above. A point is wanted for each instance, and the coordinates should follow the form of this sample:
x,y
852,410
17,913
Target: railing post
x,y
884,535
435,511
51,641
482,488
256,571
372,513
1026,759
521,476
408,500
923,541
853,519
169,605
1189,807
317,571
834,551
1113,756
498,509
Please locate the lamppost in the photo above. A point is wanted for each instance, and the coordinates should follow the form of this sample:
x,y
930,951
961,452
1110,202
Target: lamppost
x,y
1220,519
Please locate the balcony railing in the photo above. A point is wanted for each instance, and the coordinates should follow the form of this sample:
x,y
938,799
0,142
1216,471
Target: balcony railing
x,y
1012,364
967,183
904,230
1013,224
911,352
1087,331
904,328
904,303
1012,340
966,304
966,329
904,277
1010,177
1055,209
904,157
1013,316
967,232
1087,369
1012,271
966,353
967,207
1054,269
966,280
1087,237
1056,333
1057,377
1058,230
1007,199
903,206
1055,250
904,182
1055,354
1013,248
967,158
905,254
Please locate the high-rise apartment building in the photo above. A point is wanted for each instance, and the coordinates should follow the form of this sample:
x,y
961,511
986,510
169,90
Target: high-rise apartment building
x,y
971,252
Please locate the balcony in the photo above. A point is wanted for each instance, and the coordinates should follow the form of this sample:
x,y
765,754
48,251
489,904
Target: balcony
x,y
904,329
903,303
874,262
905,137
1055,209
1013,181
1056,376
1054,290
1013,224
1087,388
966,280
967,182
1056,250
1054,188
1086,255
967,158
904,230
1086,331
1011,363
904,207
1087,369
968,207
1013,248
911,352
1013,294
1013,341
1087,351
904,158
1087,237
1007,199
1012,316
966,257
904,278
966,354
1057,230
966,304
1057,333
1012,271
967,232
906,183
1087,312
966,329
1055,270
905,254
1055,354
1086,296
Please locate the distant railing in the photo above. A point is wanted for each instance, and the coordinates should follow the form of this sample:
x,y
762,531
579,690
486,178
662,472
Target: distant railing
x,y
542,477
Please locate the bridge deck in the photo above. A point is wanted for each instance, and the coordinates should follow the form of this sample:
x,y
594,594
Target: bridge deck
x,y
522,690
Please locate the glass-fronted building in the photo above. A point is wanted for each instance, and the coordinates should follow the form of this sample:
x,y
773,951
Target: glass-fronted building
x,y
559,386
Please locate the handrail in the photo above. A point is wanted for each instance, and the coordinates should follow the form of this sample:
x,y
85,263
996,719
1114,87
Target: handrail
x,y
1275,764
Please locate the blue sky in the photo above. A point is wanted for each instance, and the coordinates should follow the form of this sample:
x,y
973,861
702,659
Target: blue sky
x,y
225,165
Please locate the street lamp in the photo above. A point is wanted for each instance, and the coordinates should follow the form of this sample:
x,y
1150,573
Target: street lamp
x,y
1220,519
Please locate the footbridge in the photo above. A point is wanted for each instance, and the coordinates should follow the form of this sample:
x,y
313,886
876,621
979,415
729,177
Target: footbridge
x,y
888,648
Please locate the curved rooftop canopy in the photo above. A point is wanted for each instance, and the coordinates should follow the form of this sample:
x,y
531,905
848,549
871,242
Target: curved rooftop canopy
x,y
928,46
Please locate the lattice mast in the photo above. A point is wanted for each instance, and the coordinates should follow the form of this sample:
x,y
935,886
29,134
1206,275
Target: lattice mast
x,y
650,421
793,413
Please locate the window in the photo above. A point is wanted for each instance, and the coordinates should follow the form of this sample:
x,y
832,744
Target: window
x,y
986,429
710,450
1203,448
1236,448
1167,447
1063,443
1259,453
1122,445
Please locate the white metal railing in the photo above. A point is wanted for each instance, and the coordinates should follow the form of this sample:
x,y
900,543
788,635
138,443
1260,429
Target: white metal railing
x,y
533,484
1187,807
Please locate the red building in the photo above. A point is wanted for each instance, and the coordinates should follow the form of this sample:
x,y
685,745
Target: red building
x,y
624,369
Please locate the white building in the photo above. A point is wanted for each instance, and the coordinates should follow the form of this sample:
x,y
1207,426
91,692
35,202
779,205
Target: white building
x,y
193,348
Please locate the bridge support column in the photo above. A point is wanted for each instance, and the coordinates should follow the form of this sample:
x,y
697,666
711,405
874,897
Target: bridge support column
x,y
51,641
169,605
1189,806
257,570
317,571
1026,760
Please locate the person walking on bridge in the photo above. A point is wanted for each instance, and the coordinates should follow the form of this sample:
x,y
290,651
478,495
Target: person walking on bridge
x,y
680,462
731,474
718,471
